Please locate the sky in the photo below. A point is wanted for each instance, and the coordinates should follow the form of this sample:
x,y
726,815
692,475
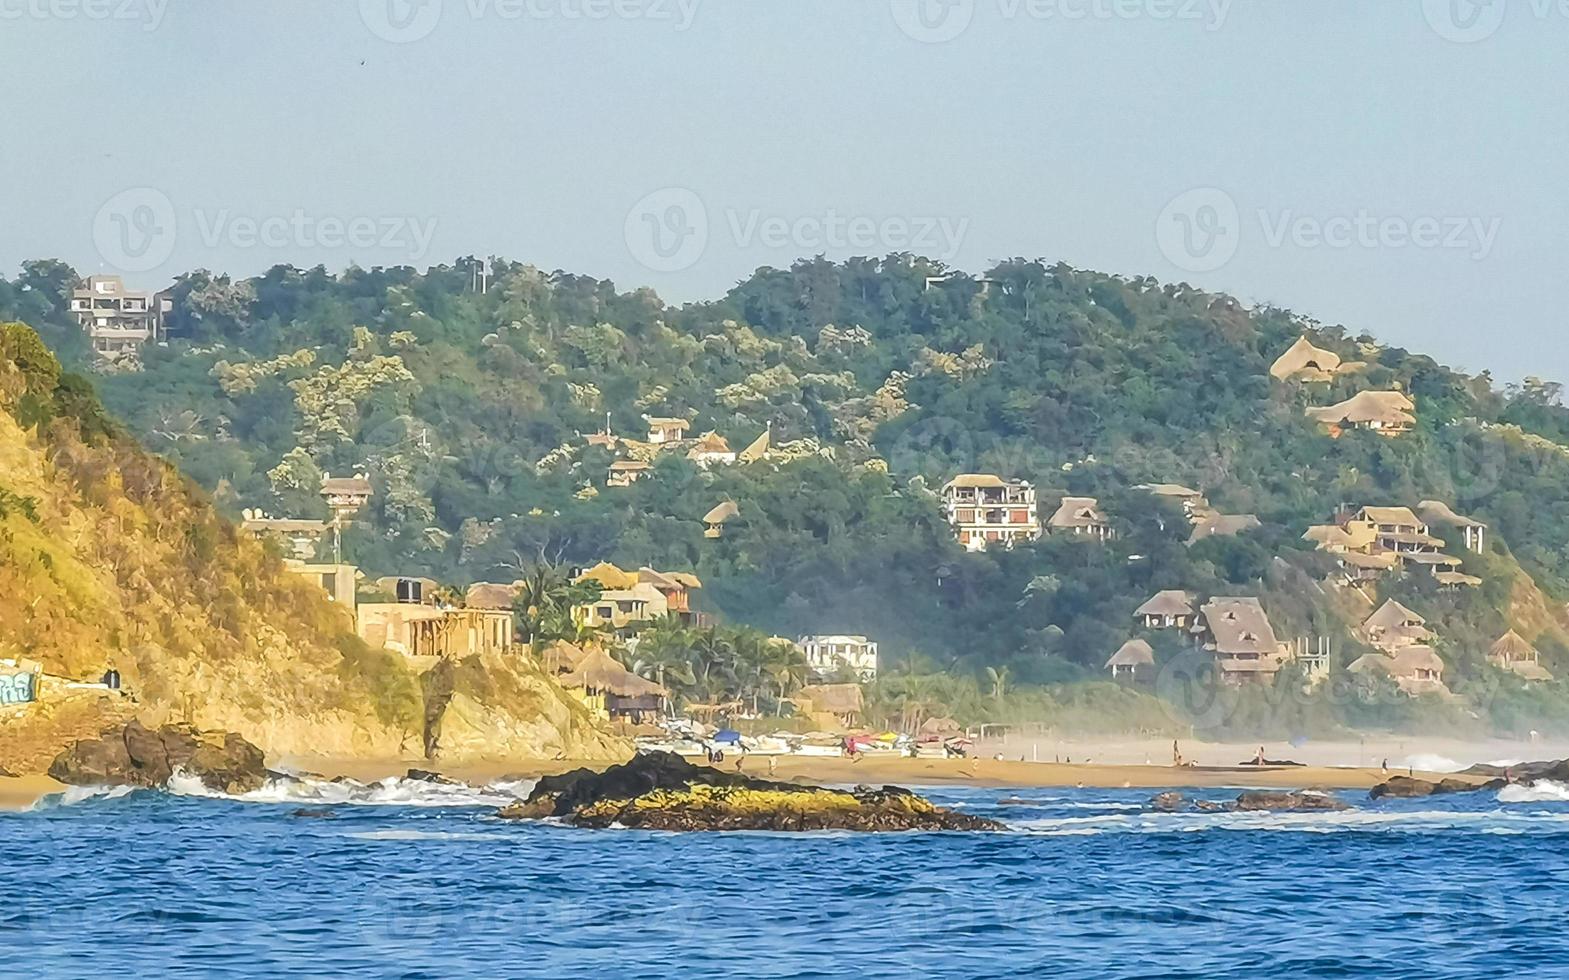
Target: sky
x,y
1395,166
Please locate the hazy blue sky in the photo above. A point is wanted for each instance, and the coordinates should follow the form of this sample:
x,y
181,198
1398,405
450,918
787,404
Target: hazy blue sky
x,y
1395,165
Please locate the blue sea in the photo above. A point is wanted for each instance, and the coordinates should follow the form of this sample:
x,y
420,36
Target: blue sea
x,y
419,881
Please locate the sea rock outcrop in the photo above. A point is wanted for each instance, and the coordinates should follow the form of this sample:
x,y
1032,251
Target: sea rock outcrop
x,y
661,791
1251,800
1407,787
135,755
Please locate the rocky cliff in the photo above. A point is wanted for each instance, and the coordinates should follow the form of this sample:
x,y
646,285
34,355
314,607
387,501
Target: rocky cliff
x,y
109,559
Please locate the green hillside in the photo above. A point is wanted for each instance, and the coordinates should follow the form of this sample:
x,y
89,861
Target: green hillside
x,y
877,381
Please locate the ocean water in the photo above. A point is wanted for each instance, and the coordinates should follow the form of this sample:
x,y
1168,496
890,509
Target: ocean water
x,y
410,880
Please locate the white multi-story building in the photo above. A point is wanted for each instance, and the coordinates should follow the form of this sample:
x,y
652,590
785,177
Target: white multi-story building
x,y
986,510
117,320
828,654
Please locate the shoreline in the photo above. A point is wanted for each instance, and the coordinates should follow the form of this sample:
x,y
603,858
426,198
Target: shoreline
x,y
20,793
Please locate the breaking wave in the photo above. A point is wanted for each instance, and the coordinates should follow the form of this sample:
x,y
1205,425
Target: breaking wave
x,y
73,795
1322,822
1541,791
392,791
1429,763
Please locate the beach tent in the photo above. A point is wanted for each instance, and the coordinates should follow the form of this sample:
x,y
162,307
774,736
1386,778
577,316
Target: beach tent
x,y
727,735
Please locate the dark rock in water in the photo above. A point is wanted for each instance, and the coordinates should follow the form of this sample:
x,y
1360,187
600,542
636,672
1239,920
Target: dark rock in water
x,y
426,776
1524,771
662,791
1167,802
1261,800
1407,787
139,756
1207,806
319,814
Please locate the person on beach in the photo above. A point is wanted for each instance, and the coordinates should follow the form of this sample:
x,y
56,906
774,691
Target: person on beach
x,y
773,764
1176,754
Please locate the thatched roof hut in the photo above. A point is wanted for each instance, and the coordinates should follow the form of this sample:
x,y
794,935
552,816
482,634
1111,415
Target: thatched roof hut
x,y
598,671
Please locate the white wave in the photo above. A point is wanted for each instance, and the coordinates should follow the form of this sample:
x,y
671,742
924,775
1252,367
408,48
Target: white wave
x,y
73,795
392,791
1427,762
1541,791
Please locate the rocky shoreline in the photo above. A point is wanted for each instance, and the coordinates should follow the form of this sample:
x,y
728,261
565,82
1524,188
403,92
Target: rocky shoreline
x,y
661,791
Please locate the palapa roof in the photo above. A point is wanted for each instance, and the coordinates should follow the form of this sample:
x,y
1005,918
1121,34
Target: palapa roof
x,y
1170,490
599,671
666,422
628,465
1400,516
1385,407
941,726
1456,578
757,449
1510,647
565,656
357,485
1134,653
1238,624
1352,536
1303,358
1427,558
976,480
837,699
669,580
1438,512
1078,512
1408,660
1223,526
711,442
609,576
490,595
1383,560
1390,616
721,513
1169,602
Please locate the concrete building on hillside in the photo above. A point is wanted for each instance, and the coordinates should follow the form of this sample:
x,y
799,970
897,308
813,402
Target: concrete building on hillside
x,y
986,510
118,320
828,654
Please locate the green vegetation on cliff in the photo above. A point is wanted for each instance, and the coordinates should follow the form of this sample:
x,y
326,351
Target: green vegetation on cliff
x,y
876,383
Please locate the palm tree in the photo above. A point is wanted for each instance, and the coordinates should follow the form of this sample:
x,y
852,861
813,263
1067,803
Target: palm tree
x,y
999,680
546,597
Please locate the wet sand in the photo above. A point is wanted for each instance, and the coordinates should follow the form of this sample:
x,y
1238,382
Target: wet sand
x,y
21,792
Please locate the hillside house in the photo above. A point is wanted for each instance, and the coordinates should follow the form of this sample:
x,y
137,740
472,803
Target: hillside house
x,y
1376,540
1190,500
345,495
1389,413
1080,517
118,320
666,430
828,654
628,599
300,539
1170,609
1238,632
711,449
611,691
1512,653
832,705
1133,661
1438,514
1415,669
1222,526
1392,627
987,510
625,472
419,625
714,521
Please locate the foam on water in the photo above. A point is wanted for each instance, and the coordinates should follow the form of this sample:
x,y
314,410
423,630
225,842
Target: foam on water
x,y
73,795
1424,762
392,791
1541,791
1316,822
